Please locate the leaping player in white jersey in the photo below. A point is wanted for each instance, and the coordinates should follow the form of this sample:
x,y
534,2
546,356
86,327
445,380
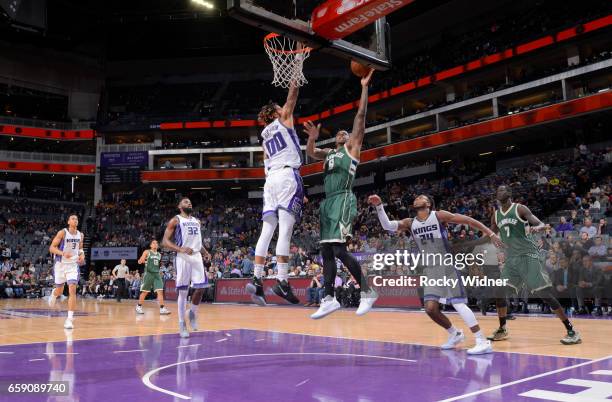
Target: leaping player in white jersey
x,y
67,247
283,194
428,229
187,243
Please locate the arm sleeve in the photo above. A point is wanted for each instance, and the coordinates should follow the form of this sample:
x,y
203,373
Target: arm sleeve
x,y
391,226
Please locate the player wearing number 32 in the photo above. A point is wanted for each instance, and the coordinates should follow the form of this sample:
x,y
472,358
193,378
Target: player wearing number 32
x,y
183,236
283,194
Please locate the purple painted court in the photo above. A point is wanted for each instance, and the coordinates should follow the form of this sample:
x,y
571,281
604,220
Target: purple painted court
x,y
248,365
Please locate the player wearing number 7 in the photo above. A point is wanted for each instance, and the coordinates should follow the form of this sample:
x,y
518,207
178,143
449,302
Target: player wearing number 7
x,y
183,236
283,194
523,266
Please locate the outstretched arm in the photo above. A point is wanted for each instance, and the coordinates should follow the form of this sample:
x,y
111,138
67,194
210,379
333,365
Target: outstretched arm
x,y
535,225
313,134
392,226
448,217
356,138
289,106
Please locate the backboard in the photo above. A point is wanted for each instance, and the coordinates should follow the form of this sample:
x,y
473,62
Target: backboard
x,y
292,18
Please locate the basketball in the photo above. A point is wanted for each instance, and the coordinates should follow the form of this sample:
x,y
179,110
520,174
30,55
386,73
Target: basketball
x,y
359,69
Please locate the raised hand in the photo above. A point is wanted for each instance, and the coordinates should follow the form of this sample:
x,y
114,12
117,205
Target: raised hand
x,y
374,200
311,130
365,80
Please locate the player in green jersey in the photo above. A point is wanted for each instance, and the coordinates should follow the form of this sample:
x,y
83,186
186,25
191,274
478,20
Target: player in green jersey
x,y
523,266
339,208
151,278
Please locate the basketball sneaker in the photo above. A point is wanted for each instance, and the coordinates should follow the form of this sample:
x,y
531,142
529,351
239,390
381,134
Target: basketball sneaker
x,y
283,289
68,324
572,338
193,320
499,335
367,301
139,310
482,347
328,305
164,311
453,340
183,330
256,290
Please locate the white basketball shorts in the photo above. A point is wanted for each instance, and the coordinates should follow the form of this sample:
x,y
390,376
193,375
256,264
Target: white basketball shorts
x,y
283,190
66,272
190,270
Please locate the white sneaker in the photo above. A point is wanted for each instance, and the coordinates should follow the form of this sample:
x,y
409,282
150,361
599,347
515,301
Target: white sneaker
x,y
139,310
164,311
482,347
51,300
367,301
328,305
453,340
68,324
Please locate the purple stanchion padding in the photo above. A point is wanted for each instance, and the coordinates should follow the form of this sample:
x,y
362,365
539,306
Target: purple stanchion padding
x,y
247,365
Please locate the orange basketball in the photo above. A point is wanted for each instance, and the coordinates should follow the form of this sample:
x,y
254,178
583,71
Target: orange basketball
x,y
359,69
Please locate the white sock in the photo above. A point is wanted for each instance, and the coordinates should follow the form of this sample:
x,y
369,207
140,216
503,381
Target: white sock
x,y
182,303
194,308
283,271
479,336
70,315
452,330
258,270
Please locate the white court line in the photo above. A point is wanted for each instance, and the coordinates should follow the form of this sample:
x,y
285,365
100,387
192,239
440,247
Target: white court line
x,y
188,346
302,383
259,340
227,334
146,379
407,343
130,351
59,353
602,372
6,353
221,340
482,391
35,360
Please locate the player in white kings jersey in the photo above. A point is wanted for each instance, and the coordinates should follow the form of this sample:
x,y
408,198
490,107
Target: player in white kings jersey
x,y
183,235
428,229
67,247
283,194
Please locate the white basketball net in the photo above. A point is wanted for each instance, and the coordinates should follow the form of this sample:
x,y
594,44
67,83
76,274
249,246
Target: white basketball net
x,y
287,60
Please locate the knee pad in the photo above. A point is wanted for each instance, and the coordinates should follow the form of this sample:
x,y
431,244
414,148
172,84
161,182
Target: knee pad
x,y
286,221
466,314
267,231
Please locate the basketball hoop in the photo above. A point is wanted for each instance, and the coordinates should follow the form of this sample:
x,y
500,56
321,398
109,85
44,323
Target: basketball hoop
x,y
287,59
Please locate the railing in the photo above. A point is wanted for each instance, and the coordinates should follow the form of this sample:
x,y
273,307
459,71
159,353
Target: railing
x,y
46,157
18,121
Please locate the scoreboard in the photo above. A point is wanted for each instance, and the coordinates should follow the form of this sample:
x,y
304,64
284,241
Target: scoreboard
x,y
122,167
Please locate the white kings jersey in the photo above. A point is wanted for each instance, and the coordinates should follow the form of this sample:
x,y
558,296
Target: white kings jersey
x,y
281,146
70,243
430,235
187,233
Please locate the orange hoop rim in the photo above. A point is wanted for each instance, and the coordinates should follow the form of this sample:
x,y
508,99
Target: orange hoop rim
x,y
273,35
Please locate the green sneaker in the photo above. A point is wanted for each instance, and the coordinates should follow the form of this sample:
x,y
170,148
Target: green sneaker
x,y
499,335
572,338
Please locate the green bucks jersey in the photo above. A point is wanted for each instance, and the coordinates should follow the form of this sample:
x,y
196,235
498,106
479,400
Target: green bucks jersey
x,y
513,233
152,263
340,169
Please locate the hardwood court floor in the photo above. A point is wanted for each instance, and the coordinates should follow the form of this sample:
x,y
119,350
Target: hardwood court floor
x,y
31,321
